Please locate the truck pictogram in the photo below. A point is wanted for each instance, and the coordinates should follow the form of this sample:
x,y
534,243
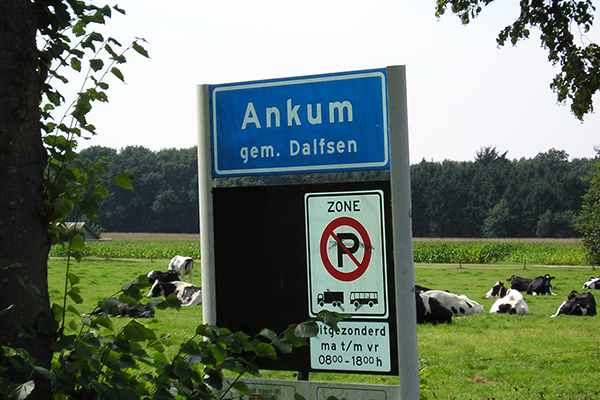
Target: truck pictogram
x,y
334,298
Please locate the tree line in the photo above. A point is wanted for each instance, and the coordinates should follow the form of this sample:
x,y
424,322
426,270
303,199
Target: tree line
x,y
490,196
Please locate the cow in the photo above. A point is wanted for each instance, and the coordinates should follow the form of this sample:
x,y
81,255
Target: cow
x,y
168,276
592,283
497,291
419,288
182,266
578,304
540,286
512,302
188,294
459,305
128,310
518,283
429,310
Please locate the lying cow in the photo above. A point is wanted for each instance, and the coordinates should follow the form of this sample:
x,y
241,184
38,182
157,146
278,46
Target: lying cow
x,y
519,283
592,283
169,276
497,291
188,294
182,266
459,305
512,302
131,311
540,286
536,286
429,310
578,304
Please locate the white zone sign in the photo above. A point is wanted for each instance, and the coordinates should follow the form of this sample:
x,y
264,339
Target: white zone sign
x,y
345,238
356,346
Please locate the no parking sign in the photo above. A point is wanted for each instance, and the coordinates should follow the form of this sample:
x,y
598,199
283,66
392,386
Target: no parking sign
x,y
346,253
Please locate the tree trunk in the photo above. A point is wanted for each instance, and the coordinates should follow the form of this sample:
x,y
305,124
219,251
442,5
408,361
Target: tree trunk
x,y
24,239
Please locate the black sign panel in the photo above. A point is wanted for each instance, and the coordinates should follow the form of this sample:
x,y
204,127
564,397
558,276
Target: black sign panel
x,y
261,261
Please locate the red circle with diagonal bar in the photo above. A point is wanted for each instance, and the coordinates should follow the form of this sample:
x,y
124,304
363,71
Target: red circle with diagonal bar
x,y
361,266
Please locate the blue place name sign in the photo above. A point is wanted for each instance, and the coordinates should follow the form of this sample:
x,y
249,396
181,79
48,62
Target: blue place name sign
x,y
298,125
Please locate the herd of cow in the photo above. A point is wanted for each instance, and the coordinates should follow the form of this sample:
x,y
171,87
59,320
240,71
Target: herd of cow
x,y
437,306
433,306
164,284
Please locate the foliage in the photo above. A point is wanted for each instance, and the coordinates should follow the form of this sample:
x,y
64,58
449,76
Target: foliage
x,y
69,180
588,221
560,22
449,198
132,249
495,197
499,251
95,360
165,197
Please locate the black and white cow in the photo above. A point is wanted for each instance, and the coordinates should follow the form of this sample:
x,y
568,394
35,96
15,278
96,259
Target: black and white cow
x,y
429,310
540,286
128,310
519,283
168,276
182,266
578,304
188,294
512,302
497,291
419,288
459,305
592,283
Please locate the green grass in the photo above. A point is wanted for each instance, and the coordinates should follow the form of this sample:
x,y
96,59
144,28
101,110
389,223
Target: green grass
x,y
485,356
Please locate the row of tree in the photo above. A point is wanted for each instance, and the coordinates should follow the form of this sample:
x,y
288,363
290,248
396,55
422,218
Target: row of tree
x,y
491,196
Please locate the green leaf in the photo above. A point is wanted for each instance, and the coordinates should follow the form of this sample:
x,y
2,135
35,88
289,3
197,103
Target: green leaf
x,y
96,64
240,387
124,181
268,333
183,370
307,329
51,376
76,64
137,332
20,392
264,349
74,294
116,72
30,287
284,345
7,309
77,242
73,279
137,47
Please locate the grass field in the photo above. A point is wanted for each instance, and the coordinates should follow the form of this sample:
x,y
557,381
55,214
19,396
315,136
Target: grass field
x,y
485,356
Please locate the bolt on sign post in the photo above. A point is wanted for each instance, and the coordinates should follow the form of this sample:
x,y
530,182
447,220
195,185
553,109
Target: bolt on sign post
x,y
304,187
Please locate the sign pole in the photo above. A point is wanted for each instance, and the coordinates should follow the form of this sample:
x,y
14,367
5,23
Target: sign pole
x,y
207,261
403,250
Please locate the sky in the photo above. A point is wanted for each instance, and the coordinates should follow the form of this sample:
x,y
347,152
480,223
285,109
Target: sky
x,y
463,92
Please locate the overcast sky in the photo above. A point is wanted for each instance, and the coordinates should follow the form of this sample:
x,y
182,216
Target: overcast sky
x,y
464,93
